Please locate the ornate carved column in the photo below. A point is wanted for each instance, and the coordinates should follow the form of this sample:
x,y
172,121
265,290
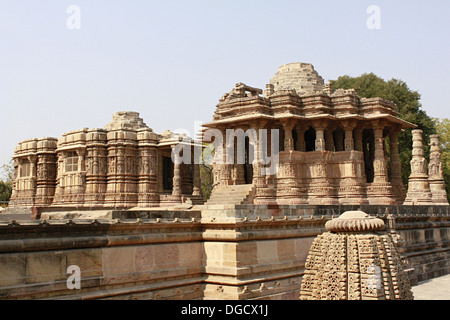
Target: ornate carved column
x,y
349,144
46,171
379,162
259,177
31,183
176,191
358,139
352,182
418,184
146,168
80,189
321,189
226,166
320,139
288,126
380,191
300,138
396,168
122,182
435,173
96,167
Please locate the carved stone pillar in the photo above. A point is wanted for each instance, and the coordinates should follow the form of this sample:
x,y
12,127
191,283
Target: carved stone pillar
x,y
33,177
96,168
379,162
226,166
396,168
358,139
349,144
147,162
288,126
320,139
300,138
259,171
418,184
122,155
435,173
176,191
380,191
46,171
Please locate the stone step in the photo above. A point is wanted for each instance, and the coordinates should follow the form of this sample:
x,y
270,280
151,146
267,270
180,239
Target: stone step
x,y
234,194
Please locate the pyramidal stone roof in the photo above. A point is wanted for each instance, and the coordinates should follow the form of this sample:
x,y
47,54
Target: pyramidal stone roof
x,y
126,120
297,76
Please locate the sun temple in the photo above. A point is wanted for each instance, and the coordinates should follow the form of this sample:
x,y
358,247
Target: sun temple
x,y
332,144
124,204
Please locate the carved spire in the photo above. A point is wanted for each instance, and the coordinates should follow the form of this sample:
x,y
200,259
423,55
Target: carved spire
x,y
418,185
355,260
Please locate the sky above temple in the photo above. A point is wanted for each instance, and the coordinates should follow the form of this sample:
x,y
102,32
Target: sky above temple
x,y
67,65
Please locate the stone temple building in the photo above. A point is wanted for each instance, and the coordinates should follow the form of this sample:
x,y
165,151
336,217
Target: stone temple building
x,y
123,165
299,141
118,203
333,145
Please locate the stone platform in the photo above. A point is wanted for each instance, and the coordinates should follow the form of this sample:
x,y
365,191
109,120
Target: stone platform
x,y
219,252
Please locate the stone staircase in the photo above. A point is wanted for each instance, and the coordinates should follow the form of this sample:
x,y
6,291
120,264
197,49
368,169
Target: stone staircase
x,y
232,195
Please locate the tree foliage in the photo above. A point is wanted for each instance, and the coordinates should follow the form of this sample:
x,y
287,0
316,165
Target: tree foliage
x,y
6,180
443,130
369,85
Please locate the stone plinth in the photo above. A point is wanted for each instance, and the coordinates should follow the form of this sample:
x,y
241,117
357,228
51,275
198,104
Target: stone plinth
x,y
355,260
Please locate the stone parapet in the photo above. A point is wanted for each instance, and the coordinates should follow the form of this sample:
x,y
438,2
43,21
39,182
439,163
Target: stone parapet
x,y
245,252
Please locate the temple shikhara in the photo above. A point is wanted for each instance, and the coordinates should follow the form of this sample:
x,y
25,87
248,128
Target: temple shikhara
x,y
307,202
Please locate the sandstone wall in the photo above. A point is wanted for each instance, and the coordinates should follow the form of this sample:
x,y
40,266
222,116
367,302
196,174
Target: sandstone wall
x,y
233,252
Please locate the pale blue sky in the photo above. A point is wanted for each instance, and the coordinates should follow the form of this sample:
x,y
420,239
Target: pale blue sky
x,y
172,60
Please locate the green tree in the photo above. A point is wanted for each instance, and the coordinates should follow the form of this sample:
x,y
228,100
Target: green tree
x,y
206,170
443,130
6,180
368,85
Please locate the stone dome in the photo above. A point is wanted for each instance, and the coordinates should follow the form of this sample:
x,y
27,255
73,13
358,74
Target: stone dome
x,y
297,76
126,120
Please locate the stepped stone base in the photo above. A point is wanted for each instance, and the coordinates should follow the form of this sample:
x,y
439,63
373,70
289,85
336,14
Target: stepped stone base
x,y
217,251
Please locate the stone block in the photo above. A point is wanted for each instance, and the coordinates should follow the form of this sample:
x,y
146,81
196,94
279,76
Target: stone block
x,y
46,266
12,269
118,261
89,260
267,252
